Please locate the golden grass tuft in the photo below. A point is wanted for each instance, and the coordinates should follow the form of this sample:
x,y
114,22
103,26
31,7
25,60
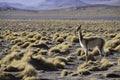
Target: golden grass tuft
x,y
109,35
43,52
41,44
30,78
62,48
80,52
43,62
14,66
31,40
105,64
25,45
117,36
29,70
83,71
117,48
55,36
60,62
118,62
83,57
64,73
83,68
112,43
60,58
95,52
60,39
10,57
107,51
30,35
89,34
37,37
53,50
15,48
13,42
73,38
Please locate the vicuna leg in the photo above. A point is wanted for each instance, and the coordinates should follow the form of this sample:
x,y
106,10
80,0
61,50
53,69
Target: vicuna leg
x,y
86,54
103,52
100,52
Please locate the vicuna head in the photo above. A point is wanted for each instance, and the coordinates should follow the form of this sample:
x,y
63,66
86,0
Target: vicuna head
x,y
78,28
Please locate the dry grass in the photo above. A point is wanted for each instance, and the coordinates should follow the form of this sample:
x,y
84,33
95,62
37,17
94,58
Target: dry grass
x,y
117,48
25,45
43,48
62,48
59,61
80,52
118,61
105,64
28,71
83,68
64,73
112,43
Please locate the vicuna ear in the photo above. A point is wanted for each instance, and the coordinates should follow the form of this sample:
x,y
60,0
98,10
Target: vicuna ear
x,y
78,28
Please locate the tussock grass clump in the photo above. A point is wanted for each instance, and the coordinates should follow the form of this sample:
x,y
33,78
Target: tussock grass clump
x,y
28,71
95,52
107,51
109,35
15,48
118,62
53,50
117,36
13,42
8,76
42,63
23,34
60,39
55,36
40,45
60,58
25,45
64,73
105,64
10,57
112,43
117,48
83,57
37,37
80,52
73,38
31,40
14,66
59,61
30,78
88,34
43,52
30,35
10,37
62,48
83,68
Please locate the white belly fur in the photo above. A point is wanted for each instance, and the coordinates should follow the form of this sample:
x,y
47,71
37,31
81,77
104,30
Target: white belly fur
x,y
82,45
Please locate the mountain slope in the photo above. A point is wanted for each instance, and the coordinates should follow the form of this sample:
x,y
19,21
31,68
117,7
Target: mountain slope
x,y
47,4
12,5
53,4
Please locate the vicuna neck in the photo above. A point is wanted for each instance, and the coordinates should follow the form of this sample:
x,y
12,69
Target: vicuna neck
x,y
80,35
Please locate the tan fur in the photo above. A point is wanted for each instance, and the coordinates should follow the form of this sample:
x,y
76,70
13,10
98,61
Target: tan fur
x,y
89,43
